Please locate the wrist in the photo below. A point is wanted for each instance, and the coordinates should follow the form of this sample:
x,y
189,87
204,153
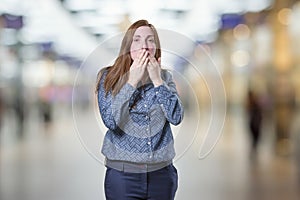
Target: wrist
x,y
132,83
157,83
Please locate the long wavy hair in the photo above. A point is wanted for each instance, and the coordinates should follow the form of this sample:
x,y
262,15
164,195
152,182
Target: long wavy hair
x,y
117,74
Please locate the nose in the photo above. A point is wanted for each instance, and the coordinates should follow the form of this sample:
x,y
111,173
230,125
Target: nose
x,y
145,45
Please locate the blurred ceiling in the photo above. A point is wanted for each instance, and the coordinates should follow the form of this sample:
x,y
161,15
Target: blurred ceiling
x,y
77,26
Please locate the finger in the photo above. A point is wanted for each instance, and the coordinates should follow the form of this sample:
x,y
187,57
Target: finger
x,y
142,53
151,66
153,61
159,61
142,61
134,64
145,64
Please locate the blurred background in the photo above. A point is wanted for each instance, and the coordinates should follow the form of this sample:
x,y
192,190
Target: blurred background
x,y
254,45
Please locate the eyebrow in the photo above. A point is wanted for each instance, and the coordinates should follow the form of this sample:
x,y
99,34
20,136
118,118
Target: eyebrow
x,y
141,36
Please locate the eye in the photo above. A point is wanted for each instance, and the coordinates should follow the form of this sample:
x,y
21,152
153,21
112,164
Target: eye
x,y
151,40
136,40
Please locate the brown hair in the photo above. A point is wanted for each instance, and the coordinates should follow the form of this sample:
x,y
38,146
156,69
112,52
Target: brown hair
x,y
117,73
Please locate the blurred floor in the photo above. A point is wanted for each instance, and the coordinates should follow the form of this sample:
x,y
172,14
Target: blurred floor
x,y
53,165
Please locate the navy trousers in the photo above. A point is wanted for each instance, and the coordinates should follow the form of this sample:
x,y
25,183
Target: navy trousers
x,y
156,185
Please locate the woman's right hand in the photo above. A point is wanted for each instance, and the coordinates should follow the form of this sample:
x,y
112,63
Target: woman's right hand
x,y
137,69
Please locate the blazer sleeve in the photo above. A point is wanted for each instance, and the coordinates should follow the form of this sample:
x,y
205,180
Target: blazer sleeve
x,y
114,109
168,99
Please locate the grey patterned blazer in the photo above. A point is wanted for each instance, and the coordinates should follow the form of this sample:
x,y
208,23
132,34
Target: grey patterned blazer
x,y
138,121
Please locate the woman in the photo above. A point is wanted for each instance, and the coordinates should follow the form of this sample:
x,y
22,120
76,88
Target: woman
x,y
137,102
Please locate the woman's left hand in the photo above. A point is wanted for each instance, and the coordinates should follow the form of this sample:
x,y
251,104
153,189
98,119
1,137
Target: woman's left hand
x,y
154,71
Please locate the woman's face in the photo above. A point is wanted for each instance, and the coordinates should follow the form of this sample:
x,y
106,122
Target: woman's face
x,y
143,38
